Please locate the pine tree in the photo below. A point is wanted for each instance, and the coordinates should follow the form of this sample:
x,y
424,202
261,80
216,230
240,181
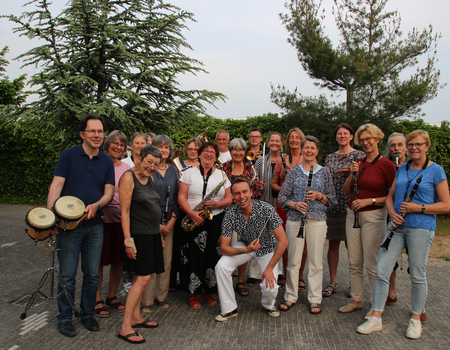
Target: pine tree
x,y
119,59
367,66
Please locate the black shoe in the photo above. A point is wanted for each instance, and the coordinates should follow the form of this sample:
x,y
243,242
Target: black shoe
x,y
66,328
90,323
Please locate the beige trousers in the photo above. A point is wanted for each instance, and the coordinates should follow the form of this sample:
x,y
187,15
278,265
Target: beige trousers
x,y
363,248
158,287
315,233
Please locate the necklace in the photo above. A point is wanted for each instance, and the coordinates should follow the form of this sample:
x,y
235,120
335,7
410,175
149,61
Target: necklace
x,y
165,167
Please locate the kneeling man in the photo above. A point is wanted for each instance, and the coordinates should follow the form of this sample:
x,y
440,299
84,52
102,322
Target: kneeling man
x,y
259,228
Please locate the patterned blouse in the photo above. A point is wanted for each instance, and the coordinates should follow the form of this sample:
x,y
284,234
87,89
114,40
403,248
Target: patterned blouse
x,y
248,174
294,188
333,163
263,219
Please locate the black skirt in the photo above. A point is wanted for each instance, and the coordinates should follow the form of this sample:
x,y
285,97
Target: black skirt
x,y
149,256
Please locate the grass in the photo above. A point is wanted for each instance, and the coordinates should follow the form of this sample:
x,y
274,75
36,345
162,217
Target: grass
x,y
444,257
443,225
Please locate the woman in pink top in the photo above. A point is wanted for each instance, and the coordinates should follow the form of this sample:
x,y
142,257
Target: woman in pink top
x,y
113,248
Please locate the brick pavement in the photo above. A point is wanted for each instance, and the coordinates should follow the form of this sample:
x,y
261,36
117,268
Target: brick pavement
x,y
22,265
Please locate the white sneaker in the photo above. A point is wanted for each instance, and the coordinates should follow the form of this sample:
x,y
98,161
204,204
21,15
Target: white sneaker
x,y
371,325
414,330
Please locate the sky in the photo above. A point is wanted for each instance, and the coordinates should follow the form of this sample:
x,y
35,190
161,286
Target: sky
x,y
243,45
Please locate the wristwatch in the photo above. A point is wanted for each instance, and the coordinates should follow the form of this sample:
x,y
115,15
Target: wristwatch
x,y
423,208
373,201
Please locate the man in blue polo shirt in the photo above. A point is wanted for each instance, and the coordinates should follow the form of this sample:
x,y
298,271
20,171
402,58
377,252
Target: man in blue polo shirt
x,y
87,173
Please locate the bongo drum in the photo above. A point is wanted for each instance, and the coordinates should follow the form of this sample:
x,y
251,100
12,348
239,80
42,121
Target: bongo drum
x,y
40,222
70,212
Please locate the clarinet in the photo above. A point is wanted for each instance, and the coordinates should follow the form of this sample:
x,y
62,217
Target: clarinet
x,y
164,219
355,197
385,244
308,188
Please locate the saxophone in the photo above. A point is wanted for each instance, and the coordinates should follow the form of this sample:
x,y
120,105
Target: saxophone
x,y
187,224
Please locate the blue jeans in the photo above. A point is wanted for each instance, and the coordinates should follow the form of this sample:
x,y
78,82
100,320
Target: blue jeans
x,y
87,240
419,242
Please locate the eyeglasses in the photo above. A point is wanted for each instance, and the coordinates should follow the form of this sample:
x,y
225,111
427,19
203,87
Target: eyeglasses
x,y
93,132
254,137
417,145
118,144
369,139
209,152
150,164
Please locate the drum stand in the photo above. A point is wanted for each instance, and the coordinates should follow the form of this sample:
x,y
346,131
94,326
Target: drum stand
x,y
51,271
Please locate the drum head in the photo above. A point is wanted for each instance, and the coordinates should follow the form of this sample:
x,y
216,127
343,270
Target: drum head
x,y
41,218
69,207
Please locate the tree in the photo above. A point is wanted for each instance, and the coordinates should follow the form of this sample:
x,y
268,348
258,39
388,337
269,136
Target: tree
x,y
10,91
116,58
367,65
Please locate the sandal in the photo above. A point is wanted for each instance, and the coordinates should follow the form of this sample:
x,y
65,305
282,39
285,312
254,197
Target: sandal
x,y
311,308
102,309
329,292
116,305
146,309
281,284
209,300
162,304
193,302
349,292
301,289
288,307
242,291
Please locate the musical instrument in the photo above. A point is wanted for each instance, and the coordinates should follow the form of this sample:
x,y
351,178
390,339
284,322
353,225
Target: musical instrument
x,y
40,223
396,157
252,155
308,188
388,239
355,197
202,135
179,167
264,153
70,212
164,219
187,223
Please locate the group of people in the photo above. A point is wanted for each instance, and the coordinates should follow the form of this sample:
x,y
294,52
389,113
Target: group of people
x,y
164,223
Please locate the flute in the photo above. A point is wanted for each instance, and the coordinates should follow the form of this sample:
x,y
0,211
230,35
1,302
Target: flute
x,y
264,156
308,188
388,239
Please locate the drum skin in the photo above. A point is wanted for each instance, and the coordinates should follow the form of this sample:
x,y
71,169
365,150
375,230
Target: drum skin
x,y
40,222
70,212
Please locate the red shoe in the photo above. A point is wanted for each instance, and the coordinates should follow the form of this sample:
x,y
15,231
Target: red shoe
x,y
209,299
193,302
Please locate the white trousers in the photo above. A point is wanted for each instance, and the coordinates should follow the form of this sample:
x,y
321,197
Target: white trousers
x,y
224,268
315,233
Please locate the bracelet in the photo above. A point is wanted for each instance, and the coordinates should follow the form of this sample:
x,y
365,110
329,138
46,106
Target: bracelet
x,y
321,199
129,243
174,216
423,209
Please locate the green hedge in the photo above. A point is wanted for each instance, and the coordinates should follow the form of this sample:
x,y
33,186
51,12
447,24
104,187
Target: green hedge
x,y
27,163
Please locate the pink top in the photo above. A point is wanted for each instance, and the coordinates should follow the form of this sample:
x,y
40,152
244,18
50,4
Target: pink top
x,y
112,210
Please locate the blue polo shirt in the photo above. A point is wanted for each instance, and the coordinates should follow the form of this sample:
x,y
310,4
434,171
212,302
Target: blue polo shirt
x,y
85,178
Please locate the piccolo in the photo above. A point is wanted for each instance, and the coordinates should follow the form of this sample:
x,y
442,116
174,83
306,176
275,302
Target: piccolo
x,y
396,158
303,220
388,239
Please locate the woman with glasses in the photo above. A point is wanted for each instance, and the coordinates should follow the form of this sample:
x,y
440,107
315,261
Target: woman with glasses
x,y
415,224
375,175
240,167
138,141
292,158
165,178
199,247
144,242
113,251
191,150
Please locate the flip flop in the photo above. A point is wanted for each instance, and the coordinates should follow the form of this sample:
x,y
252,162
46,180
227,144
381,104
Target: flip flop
x,y
288,307
128,336
145,324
